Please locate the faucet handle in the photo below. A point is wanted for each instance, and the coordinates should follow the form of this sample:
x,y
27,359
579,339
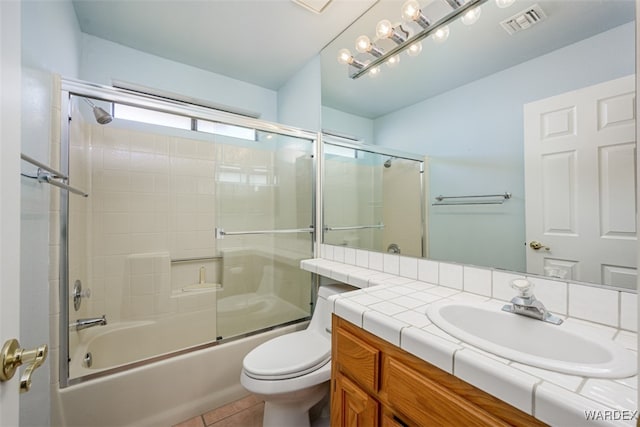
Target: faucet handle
x,y
523,286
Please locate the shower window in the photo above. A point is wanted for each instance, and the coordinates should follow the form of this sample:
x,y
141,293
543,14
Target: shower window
x,y
144,243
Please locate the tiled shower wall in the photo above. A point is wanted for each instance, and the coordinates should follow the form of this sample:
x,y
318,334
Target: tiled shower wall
x,y
153,199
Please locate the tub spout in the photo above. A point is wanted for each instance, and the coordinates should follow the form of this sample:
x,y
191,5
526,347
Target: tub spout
x,y
81,324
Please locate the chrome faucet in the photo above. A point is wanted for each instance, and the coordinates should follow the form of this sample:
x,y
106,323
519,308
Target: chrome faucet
x,y
81,324
526,303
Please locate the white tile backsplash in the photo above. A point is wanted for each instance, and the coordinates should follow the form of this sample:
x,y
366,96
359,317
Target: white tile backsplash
x,y
592,303
428,271
451,275
552,293
391,264
409,267
362,258
376,261
477,281
629,311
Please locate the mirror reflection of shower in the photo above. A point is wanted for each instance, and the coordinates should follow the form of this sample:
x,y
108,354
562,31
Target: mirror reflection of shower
x,y
102,117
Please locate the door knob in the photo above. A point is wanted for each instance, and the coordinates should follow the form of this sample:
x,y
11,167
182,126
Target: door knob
x,y
13,356
537,245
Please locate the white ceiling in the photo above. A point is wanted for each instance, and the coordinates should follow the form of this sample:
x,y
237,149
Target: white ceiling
x,y
263,42
470,53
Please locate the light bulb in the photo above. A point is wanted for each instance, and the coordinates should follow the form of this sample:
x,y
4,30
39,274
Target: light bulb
x,y
344,56
472,16
393,61
363,44
504,3
373,73
410,10
414,49
384,29
441,34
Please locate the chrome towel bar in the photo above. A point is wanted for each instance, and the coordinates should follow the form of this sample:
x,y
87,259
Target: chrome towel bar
x,y
51,176
460,200
220,233
353,227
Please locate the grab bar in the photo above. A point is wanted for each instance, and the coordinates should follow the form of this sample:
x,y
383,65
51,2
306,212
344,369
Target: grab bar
x,y
353,227
194,259
220,233
51,176
505,196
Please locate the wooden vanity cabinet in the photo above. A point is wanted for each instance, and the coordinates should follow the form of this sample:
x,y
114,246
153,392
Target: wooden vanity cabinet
x,y
374,383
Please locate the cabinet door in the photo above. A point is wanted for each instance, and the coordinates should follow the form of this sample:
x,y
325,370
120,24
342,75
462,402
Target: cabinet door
x,y
351,406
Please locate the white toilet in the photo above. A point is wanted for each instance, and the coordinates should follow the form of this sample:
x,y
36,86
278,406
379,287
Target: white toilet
x,y
292,372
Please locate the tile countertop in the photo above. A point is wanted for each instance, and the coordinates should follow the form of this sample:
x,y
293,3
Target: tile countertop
x,y
394,308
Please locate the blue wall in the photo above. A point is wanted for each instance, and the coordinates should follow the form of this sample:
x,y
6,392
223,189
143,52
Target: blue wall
x,y
474,138
300,98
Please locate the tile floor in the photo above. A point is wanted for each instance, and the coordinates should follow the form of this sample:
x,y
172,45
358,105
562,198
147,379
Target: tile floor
x,y
245,412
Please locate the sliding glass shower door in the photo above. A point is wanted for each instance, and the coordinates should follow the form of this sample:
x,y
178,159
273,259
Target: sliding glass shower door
x,y
264,228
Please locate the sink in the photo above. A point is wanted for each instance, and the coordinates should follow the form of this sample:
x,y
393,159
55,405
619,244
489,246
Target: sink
x,y
571,349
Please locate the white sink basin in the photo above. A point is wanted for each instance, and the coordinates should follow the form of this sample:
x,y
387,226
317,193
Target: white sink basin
x,y
570,349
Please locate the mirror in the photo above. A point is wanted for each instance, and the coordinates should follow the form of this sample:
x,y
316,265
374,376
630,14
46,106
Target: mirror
x,y
461,103
362,186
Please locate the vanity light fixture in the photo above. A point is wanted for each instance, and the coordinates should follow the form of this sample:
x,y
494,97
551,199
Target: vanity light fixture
x,y
407,38
345,57
441,34
472,16
411,12
393,61
504,3
386,30
364,45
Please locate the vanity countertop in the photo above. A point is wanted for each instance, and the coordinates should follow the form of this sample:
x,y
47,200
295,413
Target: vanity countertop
x,y
393,308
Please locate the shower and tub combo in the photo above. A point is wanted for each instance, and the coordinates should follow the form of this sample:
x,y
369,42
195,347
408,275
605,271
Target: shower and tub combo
x,y
183,257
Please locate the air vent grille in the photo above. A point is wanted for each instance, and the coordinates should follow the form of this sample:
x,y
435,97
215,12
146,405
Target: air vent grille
x,y
524,19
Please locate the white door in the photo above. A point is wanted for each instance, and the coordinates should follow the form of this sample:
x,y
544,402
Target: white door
x,y
9,195
580,184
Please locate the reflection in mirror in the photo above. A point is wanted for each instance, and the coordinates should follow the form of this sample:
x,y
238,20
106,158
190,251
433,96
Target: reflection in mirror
x,y
372,199
462,103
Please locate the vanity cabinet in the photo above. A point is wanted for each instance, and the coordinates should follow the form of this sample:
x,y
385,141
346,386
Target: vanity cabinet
x,y
374,383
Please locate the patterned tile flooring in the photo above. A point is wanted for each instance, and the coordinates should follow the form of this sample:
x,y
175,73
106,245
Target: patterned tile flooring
x,y
245,412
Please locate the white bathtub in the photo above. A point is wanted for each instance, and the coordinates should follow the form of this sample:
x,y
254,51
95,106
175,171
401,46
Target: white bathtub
x,y
162,393
121,343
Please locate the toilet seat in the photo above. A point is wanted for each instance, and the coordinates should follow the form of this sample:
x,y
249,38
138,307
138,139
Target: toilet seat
x,y
288,356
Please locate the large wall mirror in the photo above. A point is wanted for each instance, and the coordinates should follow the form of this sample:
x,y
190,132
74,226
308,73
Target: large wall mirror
x,y
481,104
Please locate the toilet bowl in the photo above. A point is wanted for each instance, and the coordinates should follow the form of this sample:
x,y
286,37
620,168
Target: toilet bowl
x,y
291,373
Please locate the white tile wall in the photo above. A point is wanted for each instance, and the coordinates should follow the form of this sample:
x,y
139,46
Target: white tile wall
x,y
595,304
477,281
451,275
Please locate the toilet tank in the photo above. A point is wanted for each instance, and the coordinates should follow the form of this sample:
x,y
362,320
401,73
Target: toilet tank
x,y
321,319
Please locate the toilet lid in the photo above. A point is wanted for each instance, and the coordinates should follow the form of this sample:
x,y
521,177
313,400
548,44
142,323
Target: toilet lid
x,y
288,356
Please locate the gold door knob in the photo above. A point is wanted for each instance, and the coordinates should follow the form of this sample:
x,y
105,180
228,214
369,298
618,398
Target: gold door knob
x,y
13,356
537,245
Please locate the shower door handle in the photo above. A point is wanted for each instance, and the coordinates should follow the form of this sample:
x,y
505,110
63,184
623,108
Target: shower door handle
x,y
13,356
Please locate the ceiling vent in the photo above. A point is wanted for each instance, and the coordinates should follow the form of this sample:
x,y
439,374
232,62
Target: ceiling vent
x,y
315,6
524,19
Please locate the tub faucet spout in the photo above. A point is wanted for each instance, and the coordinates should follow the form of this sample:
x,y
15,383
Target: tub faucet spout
x,y
81,324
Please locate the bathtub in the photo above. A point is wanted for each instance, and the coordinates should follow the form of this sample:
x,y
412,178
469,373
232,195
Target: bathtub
x,y
161,393
121,343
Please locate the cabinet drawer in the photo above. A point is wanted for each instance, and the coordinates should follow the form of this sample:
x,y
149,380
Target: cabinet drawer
x,y
428,403
358,359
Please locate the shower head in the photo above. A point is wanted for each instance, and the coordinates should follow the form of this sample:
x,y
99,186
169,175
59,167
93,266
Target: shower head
x,y
387,164
102,117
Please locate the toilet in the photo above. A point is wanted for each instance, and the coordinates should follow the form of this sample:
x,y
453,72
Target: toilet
x,y
291,373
